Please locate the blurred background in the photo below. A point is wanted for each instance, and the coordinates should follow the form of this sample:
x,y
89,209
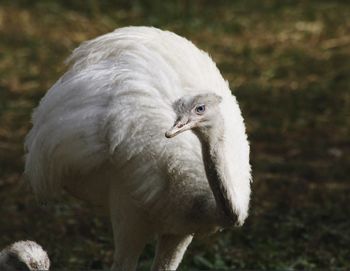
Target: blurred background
x,y
288,63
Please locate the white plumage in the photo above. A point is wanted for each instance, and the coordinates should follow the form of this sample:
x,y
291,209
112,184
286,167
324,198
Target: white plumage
x,y
99,132
22,256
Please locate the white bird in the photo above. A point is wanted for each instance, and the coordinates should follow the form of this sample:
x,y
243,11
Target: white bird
x,y
24,256
99,132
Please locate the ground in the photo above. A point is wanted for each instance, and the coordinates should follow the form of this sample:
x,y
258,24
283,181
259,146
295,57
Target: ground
x,y
287,62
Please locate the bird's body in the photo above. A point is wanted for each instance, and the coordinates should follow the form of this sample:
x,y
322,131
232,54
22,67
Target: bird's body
x,y
99,132
24,256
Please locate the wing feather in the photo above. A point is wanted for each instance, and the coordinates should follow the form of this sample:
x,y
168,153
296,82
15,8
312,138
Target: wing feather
x,y
114,105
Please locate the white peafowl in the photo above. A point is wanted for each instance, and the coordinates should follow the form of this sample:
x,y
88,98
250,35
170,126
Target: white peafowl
x,y
102,133
24,256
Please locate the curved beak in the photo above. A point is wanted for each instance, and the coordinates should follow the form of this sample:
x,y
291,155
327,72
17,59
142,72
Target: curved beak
x,y
181,125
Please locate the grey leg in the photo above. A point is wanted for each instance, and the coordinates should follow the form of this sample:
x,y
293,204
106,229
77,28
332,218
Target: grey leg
x,y
128,247
170,250
131,234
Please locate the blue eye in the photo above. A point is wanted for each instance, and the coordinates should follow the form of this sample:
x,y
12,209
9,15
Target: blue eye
x,y
200,109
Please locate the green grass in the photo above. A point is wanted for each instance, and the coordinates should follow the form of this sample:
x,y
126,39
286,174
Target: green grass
x,y
288,63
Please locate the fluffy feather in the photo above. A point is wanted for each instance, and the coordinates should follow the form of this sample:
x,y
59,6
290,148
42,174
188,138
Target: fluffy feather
x,y
27,253
113,107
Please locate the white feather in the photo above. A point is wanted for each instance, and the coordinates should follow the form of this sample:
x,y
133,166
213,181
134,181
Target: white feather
x,y
28,252
114,105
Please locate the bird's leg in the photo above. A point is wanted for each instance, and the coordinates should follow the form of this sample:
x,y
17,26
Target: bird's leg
x,y
170,250
130,236
126,254
129,242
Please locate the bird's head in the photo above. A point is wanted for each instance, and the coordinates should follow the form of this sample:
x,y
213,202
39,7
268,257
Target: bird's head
x,y
198,113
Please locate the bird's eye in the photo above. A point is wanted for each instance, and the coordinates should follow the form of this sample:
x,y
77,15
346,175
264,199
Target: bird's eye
x,y
200,109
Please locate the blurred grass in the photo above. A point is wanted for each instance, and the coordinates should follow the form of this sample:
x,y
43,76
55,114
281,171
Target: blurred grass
x,y
288,63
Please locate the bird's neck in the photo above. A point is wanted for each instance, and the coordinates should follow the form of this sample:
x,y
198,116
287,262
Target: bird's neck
x,y
212,140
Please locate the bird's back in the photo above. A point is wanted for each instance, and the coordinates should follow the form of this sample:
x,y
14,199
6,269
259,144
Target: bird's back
x,y
24,255
114,105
